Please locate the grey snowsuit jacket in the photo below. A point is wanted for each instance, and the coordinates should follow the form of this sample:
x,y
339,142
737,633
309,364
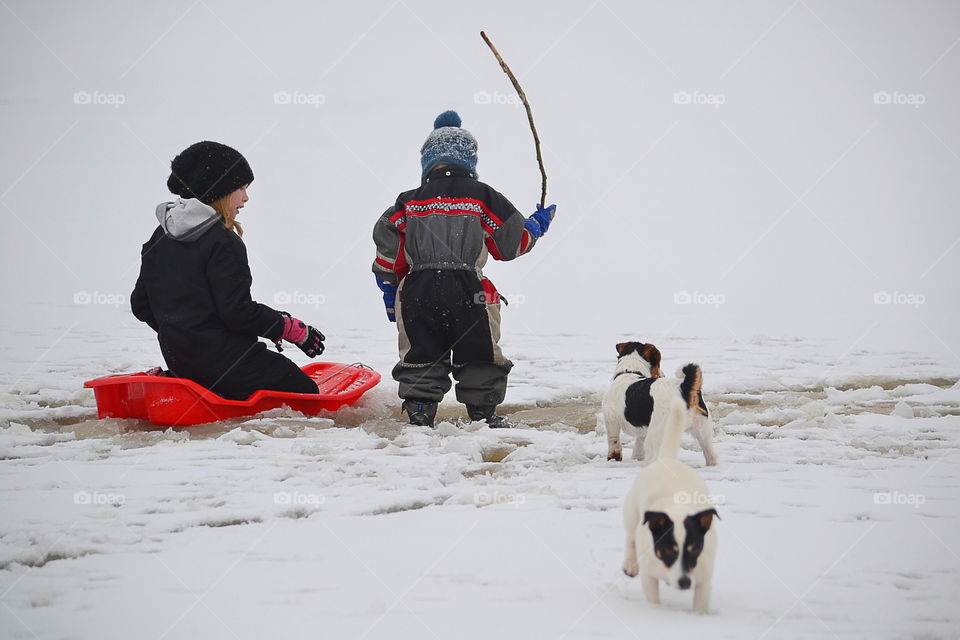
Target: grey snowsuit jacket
x,y
452,221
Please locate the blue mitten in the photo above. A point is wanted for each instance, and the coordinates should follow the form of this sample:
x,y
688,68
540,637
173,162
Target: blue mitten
x,y
539,222
389,297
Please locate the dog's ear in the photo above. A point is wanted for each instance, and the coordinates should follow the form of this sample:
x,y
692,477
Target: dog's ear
x,y
652,355
621,347
658,520
704,519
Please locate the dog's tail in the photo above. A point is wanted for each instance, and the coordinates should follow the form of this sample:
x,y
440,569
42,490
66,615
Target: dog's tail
x,y
690,388
691,379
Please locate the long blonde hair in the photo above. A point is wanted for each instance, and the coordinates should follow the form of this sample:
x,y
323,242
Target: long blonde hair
x,y
229,220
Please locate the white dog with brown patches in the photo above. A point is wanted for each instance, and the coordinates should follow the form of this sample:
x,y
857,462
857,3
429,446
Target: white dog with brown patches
x,y
650,407
669,532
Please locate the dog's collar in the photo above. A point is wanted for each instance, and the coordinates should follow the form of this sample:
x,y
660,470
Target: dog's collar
x,y
635,373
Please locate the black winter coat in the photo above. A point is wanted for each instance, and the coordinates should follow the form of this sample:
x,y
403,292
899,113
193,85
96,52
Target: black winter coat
x,y
196,295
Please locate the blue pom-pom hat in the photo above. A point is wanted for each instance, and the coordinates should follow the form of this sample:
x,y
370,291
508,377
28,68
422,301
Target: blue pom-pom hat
x,y
448,143
447,119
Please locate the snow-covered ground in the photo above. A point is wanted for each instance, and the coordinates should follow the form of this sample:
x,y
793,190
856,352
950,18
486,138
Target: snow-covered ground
x,y
837,487
784,167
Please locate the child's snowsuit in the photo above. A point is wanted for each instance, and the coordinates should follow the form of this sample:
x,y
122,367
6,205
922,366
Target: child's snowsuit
x,y
433,242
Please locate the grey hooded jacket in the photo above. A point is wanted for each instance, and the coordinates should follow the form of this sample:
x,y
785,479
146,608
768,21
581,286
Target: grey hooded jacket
x,y
186,219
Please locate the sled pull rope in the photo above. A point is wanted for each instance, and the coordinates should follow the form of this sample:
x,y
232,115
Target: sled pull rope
x,y
533,127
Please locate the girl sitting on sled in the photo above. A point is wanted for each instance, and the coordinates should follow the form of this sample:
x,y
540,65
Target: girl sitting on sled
x,y
194,285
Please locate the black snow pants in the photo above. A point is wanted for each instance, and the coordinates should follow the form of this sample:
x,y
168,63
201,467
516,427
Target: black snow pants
x,y
257,369
447,326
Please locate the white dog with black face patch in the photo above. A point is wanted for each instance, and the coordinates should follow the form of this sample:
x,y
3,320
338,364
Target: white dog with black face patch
x,y
669,534
655,410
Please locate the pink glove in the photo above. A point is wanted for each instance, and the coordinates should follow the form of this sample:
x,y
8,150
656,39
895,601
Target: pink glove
x,y
307,338
294,330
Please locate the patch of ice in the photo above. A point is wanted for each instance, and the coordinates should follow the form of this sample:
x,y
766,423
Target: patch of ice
x,y
445,428
470,447
917,389
903,410
18,435
832,421
241,436
850,396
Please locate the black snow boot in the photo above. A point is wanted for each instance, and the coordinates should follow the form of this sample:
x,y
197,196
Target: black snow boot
x,y
421,413
488,414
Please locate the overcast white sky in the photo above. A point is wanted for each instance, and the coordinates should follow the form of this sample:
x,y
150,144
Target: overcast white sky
x,y
738,152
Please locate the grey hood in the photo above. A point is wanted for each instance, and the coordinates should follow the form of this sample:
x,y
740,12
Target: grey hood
x,y
186,219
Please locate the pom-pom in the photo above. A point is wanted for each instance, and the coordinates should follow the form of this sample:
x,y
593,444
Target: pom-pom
x,y
447,119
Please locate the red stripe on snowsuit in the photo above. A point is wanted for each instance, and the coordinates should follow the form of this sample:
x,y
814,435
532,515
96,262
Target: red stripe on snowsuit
x,y
492,248
399,220
490,293
524,242
449,206
401,267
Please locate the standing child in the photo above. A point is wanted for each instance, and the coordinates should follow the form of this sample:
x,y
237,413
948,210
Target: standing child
x,y
194,285
431,247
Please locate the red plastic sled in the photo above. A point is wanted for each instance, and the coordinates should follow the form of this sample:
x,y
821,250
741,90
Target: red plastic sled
x,y
179,402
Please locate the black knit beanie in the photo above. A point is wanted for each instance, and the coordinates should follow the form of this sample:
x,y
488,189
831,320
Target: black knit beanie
x,y
208,171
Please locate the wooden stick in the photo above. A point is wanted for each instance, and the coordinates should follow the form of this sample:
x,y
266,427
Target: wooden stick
x,y
533,127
